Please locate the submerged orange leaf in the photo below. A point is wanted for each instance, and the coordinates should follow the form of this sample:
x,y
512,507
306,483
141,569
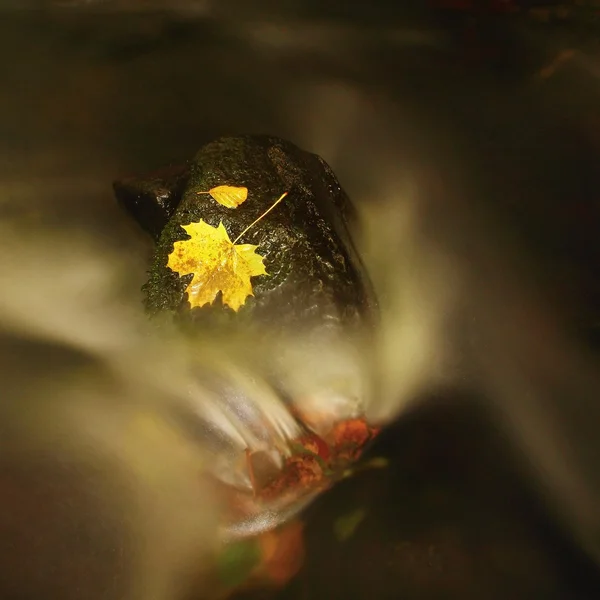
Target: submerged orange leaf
x,y
229,196
218,265
282,553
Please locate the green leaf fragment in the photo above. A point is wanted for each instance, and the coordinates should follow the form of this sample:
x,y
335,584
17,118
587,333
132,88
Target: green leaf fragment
x,y
345,526
379,462
237,561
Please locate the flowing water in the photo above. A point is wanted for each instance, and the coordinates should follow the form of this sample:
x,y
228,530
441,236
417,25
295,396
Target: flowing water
x,y
477,182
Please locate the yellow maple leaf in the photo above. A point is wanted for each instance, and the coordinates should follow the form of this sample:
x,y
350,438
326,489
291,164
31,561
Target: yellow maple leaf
x,y
218,265
228,195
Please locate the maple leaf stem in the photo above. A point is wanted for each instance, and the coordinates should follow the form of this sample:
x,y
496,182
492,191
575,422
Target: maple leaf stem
x,y
261,216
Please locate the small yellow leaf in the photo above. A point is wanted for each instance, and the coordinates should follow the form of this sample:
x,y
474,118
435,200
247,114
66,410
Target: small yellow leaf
x,y
228,195
218,265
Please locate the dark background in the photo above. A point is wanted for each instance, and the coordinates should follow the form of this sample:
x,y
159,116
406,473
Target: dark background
x,y
95,91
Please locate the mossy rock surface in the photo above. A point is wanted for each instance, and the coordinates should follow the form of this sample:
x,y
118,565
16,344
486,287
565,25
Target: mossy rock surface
x,y
314,272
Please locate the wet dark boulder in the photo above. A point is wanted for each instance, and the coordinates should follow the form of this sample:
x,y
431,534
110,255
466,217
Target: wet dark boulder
x,y
153,198
314,274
